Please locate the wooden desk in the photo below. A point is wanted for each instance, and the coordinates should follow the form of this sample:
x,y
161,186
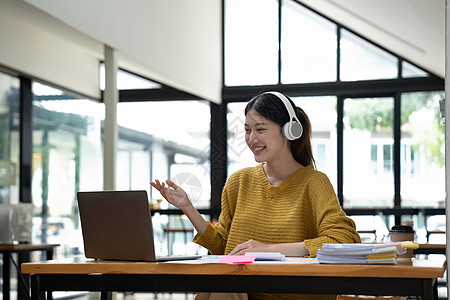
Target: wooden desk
x,y
430,249
416,278
24,256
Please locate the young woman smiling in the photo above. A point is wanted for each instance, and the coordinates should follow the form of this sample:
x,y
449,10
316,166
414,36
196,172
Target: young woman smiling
x,y
281,205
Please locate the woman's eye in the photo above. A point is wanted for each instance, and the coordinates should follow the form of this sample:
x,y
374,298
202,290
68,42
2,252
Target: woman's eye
x,y
260,129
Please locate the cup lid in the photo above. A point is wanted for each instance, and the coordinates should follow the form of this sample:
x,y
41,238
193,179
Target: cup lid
x,y
401,229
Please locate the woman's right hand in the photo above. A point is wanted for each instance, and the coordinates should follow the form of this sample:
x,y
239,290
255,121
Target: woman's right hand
x,y
174,194
178,197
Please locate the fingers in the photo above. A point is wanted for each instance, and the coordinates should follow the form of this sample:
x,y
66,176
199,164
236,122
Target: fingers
x,y
250,246
171,184
241,248
157,185
160,186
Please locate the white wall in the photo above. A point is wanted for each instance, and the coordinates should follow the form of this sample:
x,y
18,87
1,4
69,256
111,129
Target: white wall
x,y
61,56
175,42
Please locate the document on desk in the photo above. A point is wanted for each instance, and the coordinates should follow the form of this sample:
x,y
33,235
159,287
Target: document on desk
x,y
240,259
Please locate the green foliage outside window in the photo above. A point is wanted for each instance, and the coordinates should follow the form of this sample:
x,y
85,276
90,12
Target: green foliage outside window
x,y
377,117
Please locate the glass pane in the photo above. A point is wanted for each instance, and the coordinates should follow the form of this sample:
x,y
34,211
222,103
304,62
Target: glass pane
x,y
422,156
9,139
368,152
322,114
67,158
409,70
308,46
239,156
361,60
128,81
251,42
162,140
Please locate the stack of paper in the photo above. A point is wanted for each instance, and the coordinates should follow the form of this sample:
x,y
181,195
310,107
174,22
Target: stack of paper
x,y
363,253
250,257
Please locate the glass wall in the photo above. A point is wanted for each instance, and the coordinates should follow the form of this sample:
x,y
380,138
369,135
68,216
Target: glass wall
x,y
251,34
368,152
308,46
239,156
320,57
165,140
9,139
67,158
422,150
322,114
361,60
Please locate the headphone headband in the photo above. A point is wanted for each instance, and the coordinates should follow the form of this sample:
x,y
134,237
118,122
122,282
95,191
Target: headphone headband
x,y
293,129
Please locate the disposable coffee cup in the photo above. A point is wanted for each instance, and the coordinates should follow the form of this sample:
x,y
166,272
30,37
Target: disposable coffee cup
x,y
401,233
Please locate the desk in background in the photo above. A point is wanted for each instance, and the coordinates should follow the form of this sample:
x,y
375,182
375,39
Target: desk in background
x,y
430,249
416,278
23,251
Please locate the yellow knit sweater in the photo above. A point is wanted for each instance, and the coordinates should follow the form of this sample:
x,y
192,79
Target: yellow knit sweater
x,y
303,208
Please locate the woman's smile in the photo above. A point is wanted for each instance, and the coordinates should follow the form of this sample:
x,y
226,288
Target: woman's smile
x,y
257,149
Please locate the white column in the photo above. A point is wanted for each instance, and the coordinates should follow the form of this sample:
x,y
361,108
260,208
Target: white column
x,y
110,133
447,135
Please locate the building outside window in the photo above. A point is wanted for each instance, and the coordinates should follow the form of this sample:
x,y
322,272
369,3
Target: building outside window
x,y
67,158
9,139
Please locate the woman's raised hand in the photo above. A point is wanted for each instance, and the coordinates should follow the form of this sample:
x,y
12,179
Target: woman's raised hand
x,y
174,194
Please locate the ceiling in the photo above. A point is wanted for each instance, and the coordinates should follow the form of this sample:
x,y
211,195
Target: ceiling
x,y
412,29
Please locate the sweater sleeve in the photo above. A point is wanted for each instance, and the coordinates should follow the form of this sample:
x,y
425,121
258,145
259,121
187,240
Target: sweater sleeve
x,y
333,226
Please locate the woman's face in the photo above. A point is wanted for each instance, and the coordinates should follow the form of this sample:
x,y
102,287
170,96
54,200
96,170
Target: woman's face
x,y
264,138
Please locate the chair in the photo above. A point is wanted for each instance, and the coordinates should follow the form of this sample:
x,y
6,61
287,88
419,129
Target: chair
x,y
171,230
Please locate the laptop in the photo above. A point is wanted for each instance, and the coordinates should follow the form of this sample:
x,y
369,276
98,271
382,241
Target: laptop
x,y
117,225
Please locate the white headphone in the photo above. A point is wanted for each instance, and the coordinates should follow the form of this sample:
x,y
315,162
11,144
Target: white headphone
x,y
293,129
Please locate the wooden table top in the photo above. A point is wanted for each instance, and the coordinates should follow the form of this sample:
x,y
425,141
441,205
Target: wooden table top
x,y
414,268
432,246
26,247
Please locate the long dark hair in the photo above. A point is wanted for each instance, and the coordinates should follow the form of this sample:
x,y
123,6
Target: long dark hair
x,y
272,108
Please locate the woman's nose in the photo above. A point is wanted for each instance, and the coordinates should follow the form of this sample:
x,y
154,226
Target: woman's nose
x,y
252,137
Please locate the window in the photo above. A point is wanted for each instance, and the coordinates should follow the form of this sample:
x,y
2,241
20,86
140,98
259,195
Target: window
x,y
163,140
409,71
423,143
9,139
239,156
67,158
361,60
363,173
308,46
128,81
251,42
368,163
322,114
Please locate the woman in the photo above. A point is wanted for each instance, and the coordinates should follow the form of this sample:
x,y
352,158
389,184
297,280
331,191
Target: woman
x,y
281,205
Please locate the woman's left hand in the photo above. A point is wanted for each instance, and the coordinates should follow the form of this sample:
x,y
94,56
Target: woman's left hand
x,y
251,246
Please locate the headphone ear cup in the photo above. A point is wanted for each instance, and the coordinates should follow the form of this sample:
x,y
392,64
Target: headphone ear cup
x,y
292,130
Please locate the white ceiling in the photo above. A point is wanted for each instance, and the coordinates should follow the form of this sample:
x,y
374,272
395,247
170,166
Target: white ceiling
x,y
412,29
178,47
